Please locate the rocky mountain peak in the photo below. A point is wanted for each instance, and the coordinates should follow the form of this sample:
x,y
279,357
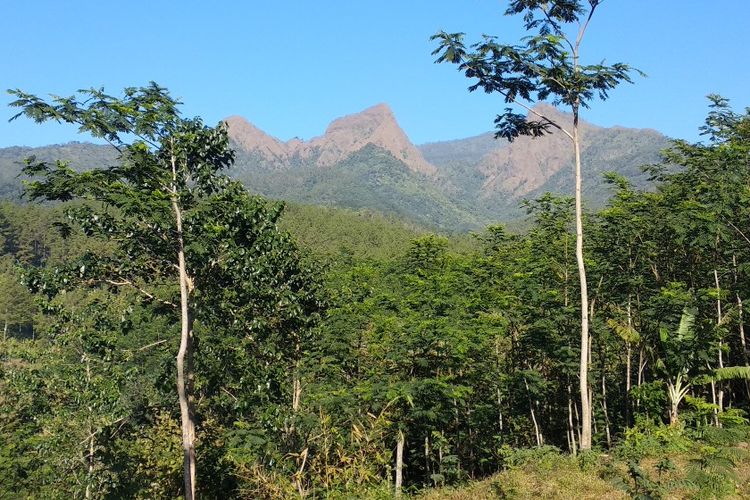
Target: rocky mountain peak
x,y
252,139
375,125
346,135
363,123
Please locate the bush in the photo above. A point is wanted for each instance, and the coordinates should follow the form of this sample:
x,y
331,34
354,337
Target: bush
x,y
649,439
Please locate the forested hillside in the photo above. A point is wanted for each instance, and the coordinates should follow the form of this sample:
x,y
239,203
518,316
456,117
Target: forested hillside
x,y
322,352
453,187
192,310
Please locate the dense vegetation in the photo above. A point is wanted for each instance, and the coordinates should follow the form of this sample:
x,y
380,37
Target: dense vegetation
x,y
463,351
168,334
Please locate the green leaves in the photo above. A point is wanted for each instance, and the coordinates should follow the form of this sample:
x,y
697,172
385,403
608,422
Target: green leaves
x,y
545,67
149,112
628,333
450,47
686,329
164,207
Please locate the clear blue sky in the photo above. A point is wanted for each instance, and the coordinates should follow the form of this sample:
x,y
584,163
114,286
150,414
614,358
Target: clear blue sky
x,y
291,66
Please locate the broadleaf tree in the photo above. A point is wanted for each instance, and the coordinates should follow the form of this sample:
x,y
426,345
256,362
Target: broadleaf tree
x,y
545,66
181,235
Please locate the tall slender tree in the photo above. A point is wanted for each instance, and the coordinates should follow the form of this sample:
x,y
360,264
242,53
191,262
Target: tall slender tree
x,y
180,235
546,66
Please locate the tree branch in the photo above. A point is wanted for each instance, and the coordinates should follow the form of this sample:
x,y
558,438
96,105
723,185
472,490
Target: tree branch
x,y
126,282
738,230
530,110
585,25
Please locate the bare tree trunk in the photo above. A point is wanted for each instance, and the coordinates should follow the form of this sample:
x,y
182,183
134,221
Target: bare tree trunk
x,y
296,397
741,322
719,318
91,463
584,366
571,428
499,410
399,462
537,433
740,319
427,465
296,382
604,409
740,312
185,352
92,435
628,356
440,456
715,402
578,420
713,399
641,367
594,424
628,368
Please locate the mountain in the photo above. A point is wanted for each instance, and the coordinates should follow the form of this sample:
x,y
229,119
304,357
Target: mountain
x,y
365,161
343,137
79,155
499,174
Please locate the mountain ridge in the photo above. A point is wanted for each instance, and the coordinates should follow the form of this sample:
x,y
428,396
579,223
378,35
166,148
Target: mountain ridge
x,y
365,161
345,135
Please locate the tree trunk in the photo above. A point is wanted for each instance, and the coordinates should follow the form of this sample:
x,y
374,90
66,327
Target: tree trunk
x,y
92,435
715,402
185,352
296,381
499,410
427,464
571,428
604,409
538,434
719,318
628,367
91,463
741,322
399,462
627,385
584,366
641,367
740,312
297,393
578,420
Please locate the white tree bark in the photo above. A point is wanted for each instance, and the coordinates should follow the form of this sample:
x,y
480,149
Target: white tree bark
x,y
399,463
184,354
584,365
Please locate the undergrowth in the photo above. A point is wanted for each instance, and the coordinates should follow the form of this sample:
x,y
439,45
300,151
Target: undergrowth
x,y
653,461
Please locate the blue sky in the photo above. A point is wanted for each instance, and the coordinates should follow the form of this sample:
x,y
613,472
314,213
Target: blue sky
x,y
291,66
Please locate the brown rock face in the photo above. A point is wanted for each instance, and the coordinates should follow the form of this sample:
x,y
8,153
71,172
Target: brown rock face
x,y
251,138
344,136
528,163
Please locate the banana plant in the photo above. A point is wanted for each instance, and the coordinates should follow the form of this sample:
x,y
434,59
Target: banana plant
x,y
680,357
683,357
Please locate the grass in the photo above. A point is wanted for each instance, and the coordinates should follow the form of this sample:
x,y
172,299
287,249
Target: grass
x,y
704,471
555,476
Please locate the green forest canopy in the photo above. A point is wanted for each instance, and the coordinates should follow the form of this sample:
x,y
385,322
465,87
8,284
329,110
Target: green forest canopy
x,y
467,348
